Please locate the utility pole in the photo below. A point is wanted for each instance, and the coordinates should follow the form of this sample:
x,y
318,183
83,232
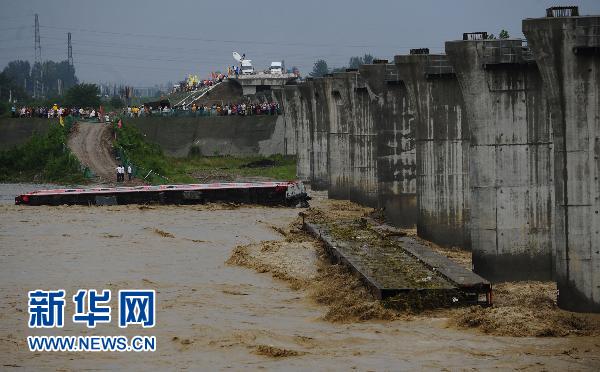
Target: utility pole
x,y
38,58
69,50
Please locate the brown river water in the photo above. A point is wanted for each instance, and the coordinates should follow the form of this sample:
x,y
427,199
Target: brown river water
x,y
213,316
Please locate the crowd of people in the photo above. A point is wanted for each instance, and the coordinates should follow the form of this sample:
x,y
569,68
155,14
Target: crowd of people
x,y
192,83
135,111
56,111
242,109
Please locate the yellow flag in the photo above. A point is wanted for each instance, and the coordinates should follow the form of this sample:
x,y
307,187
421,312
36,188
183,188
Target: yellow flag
x,y
61,121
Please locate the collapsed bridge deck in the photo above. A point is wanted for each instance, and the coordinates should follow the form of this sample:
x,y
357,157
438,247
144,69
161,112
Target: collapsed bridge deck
x,y
395,268
265,193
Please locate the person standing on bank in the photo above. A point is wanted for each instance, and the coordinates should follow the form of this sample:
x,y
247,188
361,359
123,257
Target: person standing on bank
x,y
118,169
129,170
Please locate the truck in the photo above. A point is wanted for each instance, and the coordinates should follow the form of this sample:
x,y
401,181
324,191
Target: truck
x,y
276,68
247,68
245,64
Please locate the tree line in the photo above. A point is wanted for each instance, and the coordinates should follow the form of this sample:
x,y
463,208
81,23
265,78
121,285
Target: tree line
x,y
51,82
20,80
320,68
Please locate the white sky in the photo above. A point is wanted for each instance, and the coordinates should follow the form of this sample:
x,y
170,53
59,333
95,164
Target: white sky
x,y
151,42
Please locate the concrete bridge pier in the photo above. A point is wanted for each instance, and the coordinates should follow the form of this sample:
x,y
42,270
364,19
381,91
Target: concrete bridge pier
x,y
395,142
442,147
319,178
364,188
567,49
511,163
341,119
304,122
294,114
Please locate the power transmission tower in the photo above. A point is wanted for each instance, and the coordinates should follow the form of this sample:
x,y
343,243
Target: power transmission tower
x,y
69,50
38,58
38,45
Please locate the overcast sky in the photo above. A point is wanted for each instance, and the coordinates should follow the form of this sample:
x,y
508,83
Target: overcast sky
x,y
147,42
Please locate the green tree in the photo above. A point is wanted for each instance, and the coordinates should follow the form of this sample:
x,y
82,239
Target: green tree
x,y
55,77
20,73
356,61
320,68
338,69
83,95
116,102
502,35
10,89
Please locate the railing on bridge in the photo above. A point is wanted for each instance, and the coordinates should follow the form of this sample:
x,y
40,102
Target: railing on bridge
x,y
475,36
264,75
419,51
562,11
186,103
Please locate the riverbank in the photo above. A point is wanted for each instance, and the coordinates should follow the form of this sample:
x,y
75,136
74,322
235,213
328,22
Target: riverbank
x,y
47,158
44,157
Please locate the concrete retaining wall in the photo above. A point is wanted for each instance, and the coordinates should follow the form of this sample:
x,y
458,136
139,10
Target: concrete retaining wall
x,y
567,50
278,96
442,149
510,161
16,131
219,135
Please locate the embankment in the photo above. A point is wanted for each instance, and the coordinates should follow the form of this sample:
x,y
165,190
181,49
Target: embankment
x,y
16,131
219,135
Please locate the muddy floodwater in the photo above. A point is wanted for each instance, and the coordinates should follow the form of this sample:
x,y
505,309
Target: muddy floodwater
x,y
215,316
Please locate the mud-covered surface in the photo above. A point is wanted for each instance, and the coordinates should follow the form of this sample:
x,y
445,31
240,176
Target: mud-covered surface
x,y
527,309
212,315
381,258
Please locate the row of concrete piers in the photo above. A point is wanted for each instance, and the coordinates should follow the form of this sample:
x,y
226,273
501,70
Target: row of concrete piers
x,y
493,147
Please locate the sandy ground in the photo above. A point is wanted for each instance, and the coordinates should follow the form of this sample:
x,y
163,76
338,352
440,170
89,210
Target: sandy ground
x,y
213,315
91,143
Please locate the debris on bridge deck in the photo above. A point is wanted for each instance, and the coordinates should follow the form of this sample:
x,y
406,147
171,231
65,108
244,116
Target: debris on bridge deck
x,y
265,193
399,270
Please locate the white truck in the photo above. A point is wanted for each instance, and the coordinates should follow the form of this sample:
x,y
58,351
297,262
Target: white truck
x,y
247,68
245,64
276,68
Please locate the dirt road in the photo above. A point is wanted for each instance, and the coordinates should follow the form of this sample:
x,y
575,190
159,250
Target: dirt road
x,y
91,143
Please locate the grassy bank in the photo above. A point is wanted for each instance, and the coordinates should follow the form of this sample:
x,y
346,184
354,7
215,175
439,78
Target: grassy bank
x,y
148,157
43,158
